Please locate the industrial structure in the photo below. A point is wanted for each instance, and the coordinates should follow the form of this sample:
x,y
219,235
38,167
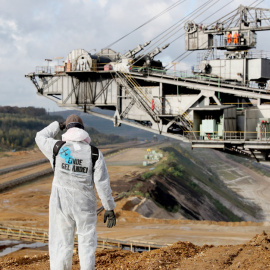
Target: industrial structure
x,y
222,103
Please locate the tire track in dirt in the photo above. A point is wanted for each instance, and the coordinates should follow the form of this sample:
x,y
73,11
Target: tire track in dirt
x,y
23,166
21,180
23,172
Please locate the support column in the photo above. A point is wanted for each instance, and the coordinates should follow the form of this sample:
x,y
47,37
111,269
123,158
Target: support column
x,y
162,98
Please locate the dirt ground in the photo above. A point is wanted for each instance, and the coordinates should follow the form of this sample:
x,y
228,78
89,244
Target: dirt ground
x,y
16,174
255,255
16,158
27,205
234,244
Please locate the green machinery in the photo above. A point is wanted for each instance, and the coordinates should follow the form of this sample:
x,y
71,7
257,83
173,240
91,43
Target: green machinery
x,y
211,129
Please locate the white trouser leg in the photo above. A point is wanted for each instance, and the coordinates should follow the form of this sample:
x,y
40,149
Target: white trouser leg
x,y
61,231
86,219
87,240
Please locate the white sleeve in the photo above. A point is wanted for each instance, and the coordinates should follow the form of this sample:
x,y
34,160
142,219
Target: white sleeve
x,y
102,183
45,139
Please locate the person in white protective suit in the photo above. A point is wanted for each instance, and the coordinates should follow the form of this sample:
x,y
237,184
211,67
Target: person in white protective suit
x,y
73,200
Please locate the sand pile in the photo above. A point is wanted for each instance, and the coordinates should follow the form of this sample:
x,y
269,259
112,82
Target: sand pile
x,y
164,258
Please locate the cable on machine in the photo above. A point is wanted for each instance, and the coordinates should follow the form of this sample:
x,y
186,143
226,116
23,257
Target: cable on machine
x,y
188,53
194,18
153,18
175,29
183,56
180,21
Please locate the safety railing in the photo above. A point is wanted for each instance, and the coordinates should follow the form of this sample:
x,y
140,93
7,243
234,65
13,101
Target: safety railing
x,y
258,54
263,135
37,235
228,136
187,117
179,74
195,135
234,135
187,75
69,68
218,55
23,233
44,70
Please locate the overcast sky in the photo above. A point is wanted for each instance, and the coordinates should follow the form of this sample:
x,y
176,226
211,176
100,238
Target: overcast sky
x,y
33,30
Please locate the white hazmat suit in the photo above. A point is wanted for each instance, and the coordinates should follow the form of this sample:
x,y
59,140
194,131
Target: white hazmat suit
x,y
73,199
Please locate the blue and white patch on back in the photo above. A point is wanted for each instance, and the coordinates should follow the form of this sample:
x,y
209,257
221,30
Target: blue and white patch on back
x,y
65,153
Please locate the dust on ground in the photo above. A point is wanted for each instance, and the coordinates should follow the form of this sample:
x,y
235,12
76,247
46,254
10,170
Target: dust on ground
x,y
254,255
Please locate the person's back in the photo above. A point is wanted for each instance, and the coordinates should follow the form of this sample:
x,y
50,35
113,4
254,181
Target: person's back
x,y
235,38
73,199
72,162
229,38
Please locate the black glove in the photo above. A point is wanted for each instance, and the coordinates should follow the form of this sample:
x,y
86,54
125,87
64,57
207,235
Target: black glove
x,y
62,125
111,218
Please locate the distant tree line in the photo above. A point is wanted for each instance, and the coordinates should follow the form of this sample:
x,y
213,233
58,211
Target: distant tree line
x,y
30,111
98,138
18,128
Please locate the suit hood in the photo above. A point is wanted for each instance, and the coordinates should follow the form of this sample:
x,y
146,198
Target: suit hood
x,y
76,135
